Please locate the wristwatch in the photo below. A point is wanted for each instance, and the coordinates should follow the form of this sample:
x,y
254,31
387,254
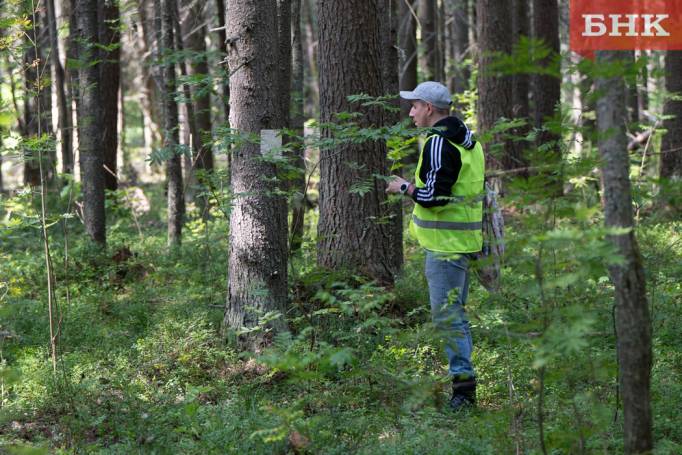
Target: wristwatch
x,y
404,187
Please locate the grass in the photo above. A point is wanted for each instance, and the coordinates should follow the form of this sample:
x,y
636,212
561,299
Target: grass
x,y
143,369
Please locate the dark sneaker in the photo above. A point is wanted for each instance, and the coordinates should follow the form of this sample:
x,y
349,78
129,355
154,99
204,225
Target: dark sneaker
x,y
463,394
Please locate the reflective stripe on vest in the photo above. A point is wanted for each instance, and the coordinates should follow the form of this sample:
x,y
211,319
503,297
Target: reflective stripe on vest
x,y
456,226
448,225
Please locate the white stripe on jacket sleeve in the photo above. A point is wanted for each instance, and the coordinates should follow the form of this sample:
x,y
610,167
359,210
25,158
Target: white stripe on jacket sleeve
x,y
427,193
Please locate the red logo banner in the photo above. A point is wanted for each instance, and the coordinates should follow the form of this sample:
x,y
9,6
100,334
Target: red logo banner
x,y
625,25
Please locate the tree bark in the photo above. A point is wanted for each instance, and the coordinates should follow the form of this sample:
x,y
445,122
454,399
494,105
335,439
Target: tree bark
x,y
459,45
671,145
440,40
494,90
407,42
194,31
547,90
429,39
90,120
64,121
520,82
257,270
515,158
284,58
176,197
298,184
110,80
352,233
633,325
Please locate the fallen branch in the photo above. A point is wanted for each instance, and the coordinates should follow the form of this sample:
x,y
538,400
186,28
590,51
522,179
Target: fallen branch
x,y
639,140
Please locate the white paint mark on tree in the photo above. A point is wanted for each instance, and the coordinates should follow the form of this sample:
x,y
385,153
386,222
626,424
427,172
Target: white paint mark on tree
x,y
270,143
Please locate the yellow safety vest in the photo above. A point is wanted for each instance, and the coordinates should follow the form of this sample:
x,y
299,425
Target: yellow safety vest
x,y
456,226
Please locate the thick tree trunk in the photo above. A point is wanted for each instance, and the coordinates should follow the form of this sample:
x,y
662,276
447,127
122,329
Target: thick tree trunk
x,y
110,70
257,270
633,325
90,120
429,39
176,197
494,90
671,145
407,42
547,90
298,184
64,121
352,234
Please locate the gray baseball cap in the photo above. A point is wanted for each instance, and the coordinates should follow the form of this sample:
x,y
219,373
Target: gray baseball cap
x,y
431,92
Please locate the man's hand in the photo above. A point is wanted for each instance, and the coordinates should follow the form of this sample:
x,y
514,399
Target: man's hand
x,y
394,185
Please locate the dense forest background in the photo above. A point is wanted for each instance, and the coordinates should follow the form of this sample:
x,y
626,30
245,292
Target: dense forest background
x,y
197,254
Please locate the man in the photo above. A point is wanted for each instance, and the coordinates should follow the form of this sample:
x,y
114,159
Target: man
x,y
447,221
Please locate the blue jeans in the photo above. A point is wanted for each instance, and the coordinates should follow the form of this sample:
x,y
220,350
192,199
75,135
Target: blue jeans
x,y
448,280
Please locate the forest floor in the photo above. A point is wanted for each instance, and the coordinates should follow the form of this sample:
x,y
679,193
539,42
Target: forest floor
x,y
142,367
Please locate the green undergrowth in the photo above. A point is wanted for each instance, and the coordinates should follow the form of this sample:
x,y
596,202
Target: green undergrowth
x,y
142,367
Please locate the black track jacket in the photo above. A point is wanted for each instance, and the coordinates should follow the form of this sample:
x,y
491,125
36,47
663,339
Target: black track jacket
x,y
441,162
